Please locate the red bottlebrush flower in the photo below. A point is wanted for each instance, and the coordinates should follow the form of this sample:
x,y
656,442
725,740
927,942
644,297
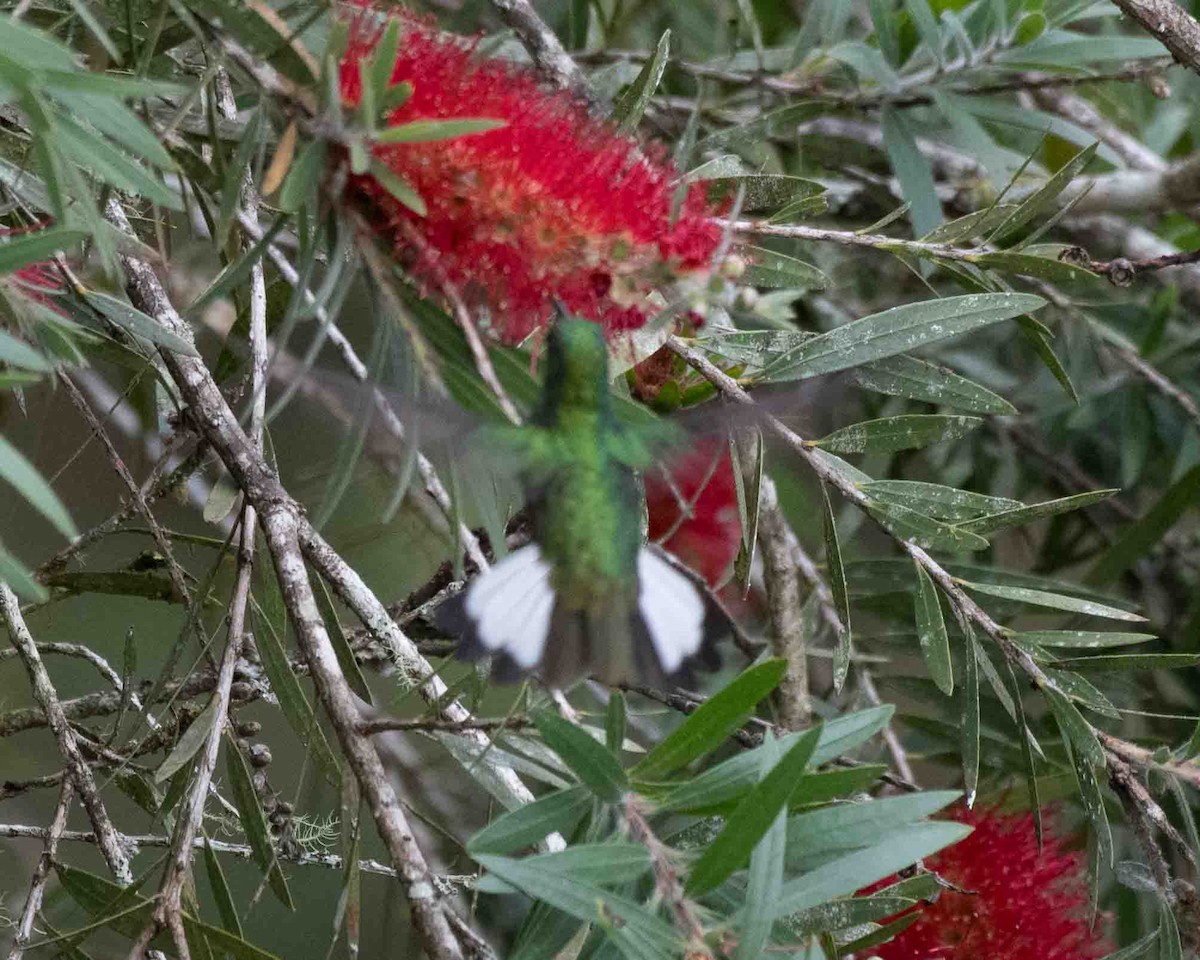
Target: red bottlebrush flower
x,y
708,539
37,281
554,204
1021,904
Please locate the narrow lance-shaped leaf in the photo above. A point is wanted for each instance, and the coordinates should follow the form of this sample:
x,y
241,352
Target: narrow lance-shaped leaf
x,y
254,824
588,759
24,477
628,110
899,330
753,817
931,629
837,586
892,434
712,721
765,878
969,717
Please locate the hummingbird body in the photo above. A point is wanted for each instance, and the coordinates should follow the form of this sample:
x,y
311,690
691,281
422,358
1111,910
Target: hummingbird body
x,y
585,598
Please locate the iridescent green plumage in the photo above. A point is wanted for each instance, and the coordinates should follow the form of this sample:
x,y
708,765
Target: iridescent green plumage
x,y
578,472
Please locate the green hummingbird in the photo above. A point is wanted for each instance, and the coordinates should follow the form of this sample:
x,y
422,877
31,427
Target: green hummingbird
x,y
585,597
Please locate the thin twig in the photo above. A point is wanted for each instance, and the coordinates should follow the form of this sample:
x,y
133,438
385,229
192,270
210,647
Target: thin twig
x,y
111,844
41,873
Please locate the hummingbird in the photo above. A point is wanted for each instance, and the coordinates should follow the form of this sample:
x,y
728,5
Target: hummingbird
x,y
586,597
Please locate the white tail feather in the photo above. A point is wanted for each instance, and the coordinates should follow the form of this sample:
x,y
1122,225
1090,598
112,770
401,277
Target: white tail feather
x,y
511,604
673,609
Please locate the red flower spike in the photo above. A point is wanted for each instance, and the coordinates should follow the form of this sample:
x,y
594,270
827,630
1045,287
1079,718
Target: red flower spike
x,y
554,204
708,539
1021,904
36,281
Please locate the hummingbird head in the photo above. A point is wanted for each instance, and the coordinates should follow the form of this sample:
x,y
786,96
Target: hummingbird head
x,y
576,363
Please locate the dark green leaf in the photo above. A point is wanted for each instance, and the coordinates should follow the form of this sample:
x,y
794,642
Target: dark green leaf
x,y
1084,639
23,249
891,434
24,477
424,131
968,716
753,817
935,500
1035,511
588,759
130,319
1040,199
254,823
897,331
529,824
931,628
837,586
1132,661
192,740
769,268
635,931
712,722
1042,598
629,107
924,531
220,891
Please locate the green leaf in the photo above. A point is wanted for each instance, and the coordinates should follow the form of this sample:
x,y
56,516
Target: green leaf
x,y
1040,199
254,823
890,434
24,477
397,186
303,176
119,123
340,642
1029,265
1083,691
1035,511
728,780
763,192
635,931
769,268
1120,662
897,331
614,723
20,354
270,628
837,586
425,131
529,824
765,878
23,249
713,721
220,891
606,864
1085,639
259,34
1137,949
935,500
762,127
116,168
860,869
1075,729
21,580
130,319
912,169
127,913
588,760
968,714
1140,537
753,817
628,109
820,835
931,629
924,531
191,742
1057,601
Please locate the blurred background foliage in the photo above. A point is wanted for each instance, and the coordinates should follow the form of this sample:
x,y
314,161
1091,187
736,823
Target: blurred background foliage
x,y
1021,177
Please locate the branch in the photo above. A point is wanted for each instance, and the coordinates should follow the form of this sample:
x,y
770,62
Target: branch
x,y
1170,24
280,518
41,873
548,54
111,844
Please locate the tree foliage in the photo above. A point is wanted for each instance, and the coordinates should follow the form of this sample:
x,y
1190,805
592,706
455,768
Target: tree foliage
x,y
265,266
